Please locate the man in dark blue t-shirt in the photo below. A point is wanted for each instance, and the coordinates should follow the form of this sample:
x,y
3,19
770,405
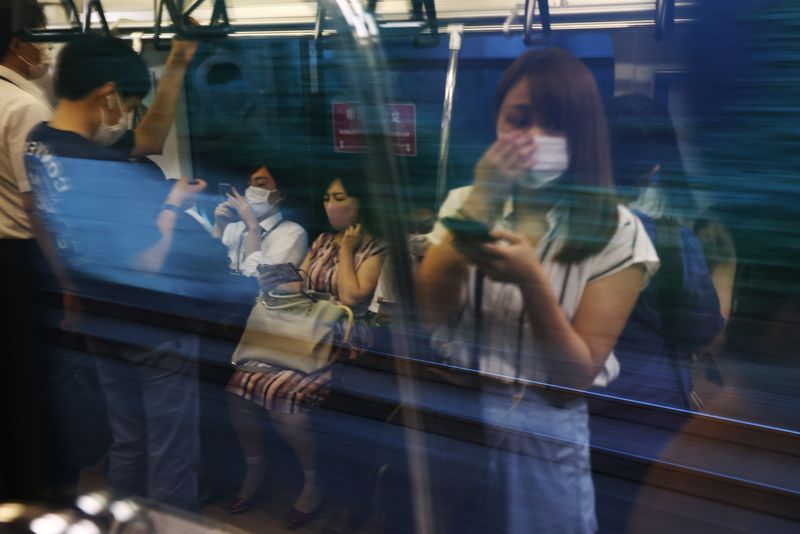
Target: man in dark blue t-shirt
x,y
117,231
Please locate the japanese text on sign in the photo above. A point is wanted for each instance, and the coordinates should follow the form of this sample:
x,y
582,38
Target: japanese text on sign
x,y
348,132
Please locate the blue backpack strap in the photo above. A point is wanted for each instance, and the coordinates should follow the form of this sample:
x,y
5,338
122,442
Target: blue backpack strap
x,y
670,283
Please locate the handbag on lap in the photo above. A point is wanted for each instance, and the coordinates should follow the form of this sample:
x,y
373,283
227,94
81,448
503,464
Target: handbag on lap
x,y
295,331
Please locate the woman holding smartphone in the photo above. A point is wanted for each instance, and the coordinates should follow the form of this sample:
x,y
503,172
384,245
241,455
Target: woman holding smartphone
x,y
555,284
346,264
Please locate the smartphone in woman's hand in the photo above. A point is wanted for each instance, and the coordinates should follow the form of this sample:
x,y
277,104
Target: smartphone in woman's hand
x,y
466,230
225,189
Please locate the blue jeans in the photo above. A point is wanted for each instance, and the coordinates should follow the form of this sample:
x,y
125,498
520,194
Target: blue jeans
x,y
540,460
152,399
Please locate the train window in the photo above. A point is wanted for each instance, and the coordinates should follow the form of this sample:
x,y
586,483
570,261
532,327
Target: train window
x,y
427,266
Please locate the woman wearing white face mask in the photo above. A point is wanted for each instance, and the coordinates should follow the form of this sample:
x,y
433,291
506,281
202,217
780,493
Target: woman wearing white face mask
x,y
545,299
261,235
345,263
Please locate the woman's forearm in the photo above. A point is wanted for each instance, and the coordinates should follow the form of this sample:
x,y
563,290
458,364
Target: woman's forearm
x,y
568,359
440,280
349,290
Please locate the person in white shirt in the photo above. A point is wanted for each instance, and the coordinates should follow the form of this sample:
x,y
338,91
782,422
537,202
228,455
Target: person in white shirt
x,y
538,301
261,235
22,106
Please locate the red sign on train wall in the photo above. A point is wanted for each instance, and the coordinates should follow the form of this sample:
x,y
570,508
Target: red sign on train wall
x,y
348,135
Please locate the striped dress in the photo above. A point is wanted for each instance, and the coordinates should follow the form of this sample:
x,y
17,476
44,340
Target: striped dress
x,y
287,391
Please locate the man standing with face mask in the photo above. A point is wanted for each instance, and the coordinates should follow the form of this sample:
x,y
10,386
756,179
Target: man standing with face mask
x,y
117,230
262,235
23,105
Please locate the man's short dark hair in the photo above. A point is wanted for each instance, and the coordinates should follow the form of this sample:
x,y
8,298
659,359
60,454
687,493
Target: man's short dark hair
x,y
90,62
281,174
17,17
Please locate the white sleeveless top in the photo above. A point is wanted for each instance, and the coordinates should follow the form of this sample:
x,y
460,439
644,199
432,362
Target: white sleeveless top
x,y
508,349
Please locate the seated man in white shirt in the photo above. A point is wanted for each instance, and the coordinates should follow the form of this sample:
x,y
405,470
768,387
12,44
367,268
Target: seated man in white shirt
x,y
261,235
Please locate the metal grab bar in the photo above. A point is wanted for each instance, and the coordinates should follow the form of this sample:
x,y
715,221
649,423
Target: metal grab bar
x,y
510,20
318,22
530,8
455,31
665,18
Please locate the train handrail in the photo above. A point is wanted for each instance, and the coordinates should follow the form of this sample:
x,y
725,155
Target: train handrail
x,y
664,18
455,31
512,16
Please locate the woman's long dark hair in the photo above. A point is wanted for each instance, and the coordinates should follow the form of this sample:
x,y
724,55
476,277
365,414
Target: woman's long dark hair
x,y
352,173
565,99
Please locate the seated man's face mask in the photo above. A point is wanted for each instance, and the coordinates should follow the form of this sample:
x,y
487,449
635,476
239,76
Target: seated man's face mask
x,y
259,200
108,134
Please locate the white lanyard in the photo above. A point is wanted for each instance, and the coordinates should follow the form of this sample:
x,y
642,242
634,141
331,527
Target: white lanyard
x,y
264,234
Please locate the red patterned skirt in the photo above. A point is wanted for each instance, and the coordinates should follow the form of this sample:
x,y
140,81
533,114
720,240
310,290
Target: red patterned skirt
x,y
288,391
280,390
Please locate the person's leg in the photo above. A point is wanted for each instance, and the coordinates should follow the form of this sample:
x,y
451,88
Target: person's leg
x,y
171,408
545,470
296,431
248,420
23,444
123,394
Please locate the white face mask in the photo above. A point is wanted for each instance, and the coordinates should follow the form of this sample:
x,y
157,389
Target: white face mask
x,y
652,201
37,70
552,160
108,134
258,198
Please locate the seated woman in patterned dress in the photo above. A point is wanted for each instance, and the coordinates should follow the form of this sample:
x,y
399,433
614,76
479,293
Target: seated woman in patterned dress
x,y
345,263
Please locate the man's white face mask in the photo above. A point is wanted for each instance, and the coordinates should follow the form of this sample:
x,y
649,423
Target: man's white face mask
x,y
108,134
552,160
37,70
258,198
